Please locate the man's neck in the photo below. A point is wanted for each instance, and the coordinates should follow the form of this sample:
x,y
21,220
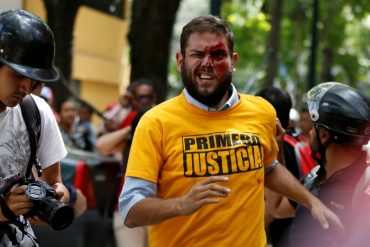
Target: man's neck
x,y
229,100
339,157
223,100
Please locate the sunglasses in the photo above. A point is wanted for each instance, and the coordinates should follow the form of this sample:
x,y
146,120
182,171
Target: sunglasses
x,y
143,97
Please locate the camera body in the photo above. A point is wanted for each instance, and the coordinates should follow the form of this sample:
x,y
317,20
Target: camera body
x,y
57,214
45,204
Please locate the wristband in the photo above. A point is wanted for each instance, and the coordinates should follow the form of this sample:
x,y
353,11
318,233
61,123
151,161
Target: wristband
x,y
72,194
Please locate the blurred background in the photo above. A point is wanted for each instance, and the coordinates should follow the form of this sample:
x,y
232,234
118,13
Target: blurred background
x,y
104,45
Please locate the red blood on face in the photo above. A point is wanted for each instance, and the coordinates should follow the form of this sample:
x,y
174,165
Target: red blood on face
x,y
218,54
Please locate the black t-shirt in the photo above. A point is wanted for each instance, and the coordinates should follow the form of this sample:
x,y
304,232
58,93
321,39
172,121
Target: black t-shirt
x,y
336,193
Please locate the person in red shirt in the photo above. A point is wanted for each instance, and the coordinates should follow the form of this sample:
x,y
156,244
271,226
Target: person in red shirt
x,y
143,95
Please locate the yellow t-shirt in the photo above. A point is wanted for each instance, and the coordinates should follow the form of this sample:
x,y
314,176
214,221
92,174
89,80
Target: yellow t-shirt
x,y
177,144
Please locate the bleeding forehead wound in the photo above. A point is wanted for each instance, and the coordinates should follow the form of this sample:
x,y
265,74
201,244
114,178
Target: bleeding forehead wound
x,y
215,48
216,51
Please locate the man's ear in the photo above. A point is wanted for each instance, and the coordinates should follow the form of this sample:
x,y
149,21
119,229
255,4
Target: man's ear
x,y
324,136
234,59
179,60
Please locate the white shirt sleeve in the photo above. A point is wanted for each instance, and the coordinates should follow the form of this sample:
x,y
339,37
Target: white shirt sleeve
x,y
51,146
133,191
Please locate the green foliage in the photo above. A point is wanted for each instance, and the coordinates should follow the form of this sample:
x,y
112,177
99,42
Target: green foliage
x,y
341,29
251,27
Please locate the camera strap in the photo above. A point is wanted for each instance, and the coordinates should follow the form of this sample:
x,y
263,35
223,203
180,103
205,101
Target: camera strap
x,y
32,119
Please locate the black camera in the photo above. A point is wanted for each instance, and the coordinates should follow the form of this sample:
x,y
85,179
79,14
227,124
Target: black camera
x,y
45,205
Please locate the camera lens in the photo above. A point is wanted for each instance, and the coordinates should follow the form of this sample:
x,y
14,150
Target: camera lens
x,y
35,192
60,216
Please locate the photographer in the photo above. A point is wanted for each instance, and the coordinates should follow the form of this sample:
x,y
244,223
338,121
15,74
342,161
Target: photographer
x,y
26,59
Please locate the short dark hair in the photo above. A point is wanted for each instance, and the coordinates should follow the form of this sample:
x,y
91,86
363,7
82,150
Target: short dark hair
x,y
204,24
88,108
280,100
136,83
64,100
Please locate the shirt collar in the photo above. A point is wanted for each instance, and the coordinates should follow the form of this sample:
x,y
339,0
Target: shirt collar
x,y
233,100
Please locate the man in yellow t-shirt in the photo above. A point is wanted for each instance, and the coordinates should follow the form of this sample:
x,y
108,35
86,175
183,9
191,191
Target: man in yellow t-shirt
x,y
199,162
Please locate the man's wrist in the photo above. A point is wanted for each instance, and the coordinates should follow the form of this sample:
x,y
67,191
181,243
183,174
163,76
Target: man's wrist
x,y
310,201
178,207
72,193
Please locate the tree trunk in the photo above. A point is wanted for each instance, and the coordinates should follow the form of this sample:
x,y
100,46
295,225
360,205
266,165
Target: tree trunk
x,y
149,37
273,42
327,51
61,16
326,64
299,20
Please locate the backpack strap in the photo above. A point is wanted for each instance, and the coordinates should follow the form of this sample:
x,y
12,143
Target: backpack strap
x,y
32,119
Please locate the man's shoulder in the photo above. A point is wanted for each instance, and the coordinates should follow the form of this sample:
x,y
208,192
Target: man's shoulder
x,y
167,105
164,111
40,102
257,103
253,98
43,107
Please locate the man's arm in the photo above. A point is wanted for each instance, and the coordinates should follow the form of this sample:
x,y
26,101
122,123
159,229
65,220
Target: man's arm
x,y
278,206
52,175
283,182
113,141
150,211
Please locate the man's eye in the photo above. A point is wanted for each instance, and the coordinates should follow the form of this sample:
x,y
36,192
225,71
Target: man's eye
x,y
218,54
197,55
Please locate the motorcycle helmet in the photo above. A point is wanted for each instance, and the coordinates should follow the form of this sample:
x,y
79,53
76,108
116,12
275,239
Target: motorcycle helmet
x,y
342,110
27,45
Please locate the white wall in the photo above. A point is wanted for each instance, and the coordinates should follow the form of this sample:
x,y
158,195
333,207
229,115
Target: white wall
x,y
10,4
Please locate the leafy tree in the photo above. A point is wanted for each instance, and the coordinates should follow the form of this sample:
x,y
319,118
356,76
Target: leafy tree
x,y
343,53
250,26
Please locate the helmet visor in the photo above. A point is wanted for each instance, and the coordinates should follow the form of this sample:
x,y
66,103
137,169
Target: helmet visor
x,y
47,75
314,96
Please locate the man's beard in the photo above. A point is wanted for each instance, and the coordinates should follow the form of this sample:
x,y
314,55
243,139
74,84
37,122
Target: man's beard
x,y
209,99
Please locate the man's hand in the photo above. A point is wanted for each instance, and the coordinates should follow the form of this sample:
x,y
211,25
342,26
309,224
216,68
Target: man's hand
x,y
152,210
283,182
325,216
280,132
61,192
202,193
36,220
17,201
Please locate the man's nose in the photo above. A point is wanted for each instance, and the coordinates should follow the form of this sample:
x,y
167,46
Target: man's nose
x,y
207,61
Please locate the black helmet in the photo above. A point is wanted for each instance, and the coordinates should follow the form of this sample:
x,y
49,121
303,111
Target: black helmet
x,y
341,109
27,45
